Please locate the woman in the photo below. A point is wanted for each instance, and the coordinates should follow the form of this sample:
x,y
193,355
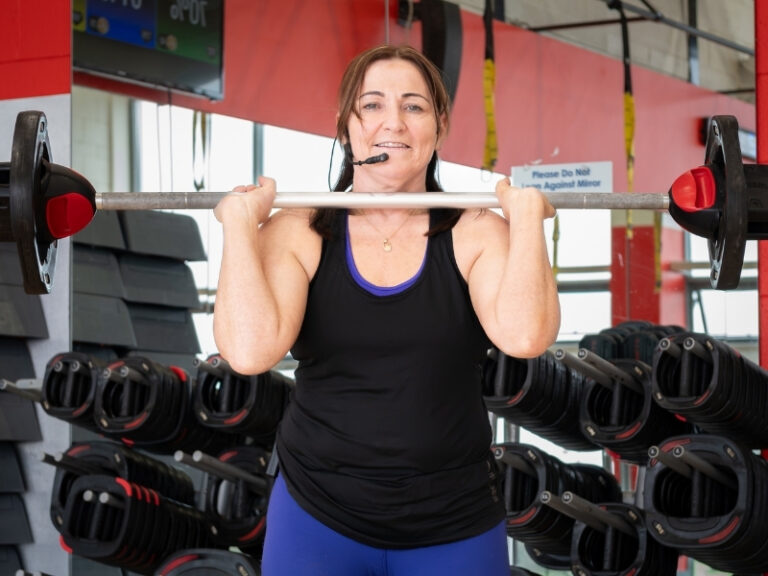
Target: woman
x,y
385,465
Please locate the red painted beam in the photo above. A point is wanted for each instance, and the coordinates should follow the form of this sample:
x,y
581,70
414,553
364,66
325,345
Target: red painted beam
x,y
761,115
761,124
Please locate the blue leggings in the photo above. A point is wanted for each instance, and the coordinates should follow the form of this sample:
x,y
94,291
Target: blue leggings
x,y
299,545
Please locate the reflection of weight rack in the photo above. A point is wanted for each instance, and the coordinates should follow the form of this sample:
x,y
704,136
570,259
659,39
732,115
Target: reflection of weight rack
x,y
248,405
208,562
149,406
527,473
124,524
712,386
617,410
539,394
612,538
235,496
110,459
705,495
108,500
698,493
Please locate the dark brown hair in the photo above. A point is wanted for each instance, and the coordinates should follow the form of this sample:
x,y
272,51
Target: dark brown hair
x,y
349,90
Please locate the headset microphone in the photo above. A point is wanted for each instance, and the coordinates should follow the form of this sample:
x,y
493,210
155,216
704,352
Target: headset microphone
x,y
372,160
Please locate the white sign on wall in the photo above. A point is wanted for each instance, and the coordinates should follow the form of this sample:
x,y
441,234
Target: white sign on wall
x,y
574,177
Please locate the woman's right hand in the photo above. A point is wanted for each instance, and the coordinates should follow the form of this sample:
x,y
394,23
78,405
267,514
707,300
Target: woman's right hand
x,y
253,201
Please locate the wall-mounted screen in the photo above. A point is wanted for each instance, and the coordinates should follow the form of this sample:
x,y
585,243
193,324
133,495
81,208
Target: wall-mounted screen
x,y
174,44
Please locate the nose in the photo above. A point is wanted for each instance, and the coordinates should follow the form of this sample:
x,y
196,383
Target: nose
x,y
394,119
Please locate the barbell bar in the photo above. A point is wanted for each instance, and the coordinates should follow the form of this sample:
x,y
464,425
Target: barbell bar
x,y
723,201
355,200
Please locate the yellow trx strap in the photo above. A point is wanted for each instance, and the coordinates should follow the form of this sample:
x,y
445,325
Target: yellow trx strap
x,y
629,150
490,153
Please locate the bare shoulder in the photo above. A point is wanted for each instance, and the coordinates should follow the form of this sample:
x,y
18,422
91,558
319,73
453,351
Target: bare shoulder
x,y
480,219
288,225
478,225
290,217
476,231
288,231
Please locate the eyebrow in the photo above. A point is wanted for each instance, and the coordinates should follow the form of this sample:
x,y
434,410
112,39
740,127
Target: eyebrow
x,y
405,95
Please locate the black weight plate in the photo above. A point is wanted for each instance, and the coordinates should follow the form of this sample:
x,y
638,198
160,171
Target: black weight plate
x,y
208,562
37,255
669,498
237,510
726,251
638,554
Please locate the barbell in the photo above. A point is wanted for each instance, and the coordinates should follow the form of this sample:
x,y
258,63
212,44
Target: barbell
x,y
355,200
41,202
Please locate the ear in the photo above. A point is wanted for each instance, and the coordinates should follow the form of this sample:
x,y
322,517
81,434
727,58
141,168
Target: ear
x,y
442,132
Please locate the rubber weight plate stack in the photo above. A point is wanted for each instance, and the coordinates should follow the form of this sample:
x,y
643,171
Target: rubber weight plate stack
x,y
641,345
120,523
111,459
208,562
235,511
149,405
712,386
69,388
540,394
720,522
612,552
609,342
249,405
624,421
526,473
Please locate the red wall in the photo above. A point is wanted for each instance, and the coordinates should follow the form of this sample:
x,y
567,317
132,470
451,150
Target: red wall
x,y
35,36
761,84
284,59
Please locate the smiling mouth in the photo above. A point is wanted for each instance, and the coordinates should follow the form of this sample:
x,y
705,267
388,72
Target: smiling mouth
x,y
392,146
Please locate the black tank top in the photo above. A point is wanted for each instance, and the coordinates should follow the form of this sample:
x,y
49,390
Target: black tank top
x,y
387,439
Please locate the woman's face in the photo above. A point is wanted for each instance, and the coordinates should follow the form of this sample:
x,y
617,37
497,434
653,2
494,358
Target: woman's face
x,y
396,116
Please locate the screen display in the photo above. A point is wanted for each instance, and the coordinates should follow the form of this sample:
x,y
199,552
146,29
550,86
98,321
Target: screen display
x,y
173,44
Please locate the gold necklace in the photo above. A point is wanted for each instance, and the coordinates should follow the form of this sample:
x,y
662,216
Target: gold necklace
x,y
387,237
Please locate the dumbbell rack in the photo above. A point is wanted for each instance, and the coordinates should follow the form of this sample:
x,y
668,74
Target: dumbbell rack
x,y
713,402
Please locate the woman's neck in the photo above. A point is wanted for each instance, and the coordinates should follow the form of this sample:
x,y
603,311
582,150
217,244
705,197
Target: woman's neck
x,y
378,182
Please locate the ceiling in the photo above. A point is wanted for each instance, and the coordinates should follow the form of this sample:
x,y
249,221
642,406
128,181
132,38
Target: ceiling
x,y
655,44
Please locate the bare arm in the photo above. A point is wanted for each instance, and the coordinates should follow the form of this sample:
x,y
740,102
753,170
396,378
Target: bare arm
x,y
511,282
263,283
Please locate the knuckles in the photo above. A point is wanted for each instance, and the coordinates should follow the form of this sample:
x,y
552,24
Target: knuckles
x,y
527,200
247,199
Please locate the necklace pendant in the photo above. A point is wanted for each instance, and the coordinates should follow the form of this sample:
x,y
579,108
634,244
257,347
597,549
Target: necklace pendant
x,y
387,245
